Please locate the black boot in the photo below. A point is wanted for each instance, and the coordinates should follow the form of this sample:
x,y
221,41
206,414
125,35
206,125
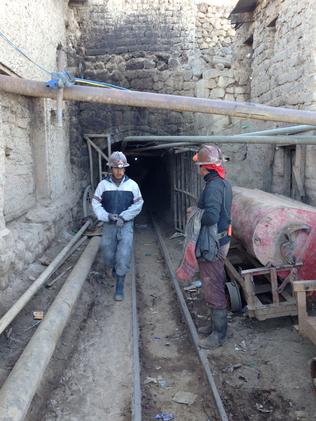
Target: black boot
x,y
119,288
205,330
218,335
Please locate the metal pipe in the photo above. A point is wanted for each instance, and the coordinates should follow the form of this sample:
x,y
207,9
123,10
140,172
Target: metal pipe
x,y
195,338
160,101
61,59
258,140
137,400
40,281
97,149
186,140
283,130
20,387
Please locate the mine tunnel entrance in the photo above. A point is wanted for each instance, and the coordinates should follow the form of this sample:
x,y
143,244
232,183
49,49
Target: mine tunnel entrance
x,y
167,177
153,175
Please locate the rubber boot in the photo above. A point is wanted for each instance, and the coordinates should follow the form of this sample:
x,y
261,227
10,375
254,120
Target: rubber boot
x,y
119,288
205,330
218,335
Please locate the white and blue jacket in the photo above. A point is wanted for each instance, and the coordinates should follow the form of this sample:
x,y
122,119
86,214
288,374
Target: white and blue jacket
x,y
124,200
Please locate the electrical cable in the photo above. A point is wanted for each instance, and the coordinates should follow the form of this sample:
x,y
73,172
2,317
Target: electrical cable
x,y
76,80
97,83
22,52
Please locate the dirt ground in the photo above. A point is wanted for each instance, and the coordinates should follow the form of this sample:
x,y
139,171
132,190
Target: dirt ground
x,y
262,371
169,363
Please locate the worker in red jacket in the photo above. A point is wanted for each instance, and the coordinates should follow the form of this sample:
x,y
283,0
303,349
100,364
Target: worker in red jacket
x,y
216,201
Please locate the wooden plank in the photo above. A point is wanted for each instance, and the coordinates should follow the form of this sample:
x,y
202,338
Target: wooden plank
x,y
304,286
302,311
298,171
274,286
250,292
288,310
233,273
266,270
288,297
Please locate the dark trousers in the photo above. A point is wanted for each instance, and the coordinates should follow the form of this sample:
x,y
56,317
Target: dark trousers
x,y
213,279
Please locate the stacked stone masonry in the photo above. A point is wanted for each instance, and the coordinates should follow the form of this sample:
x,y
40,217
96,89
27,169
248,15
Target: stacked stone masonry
x,y
37,189
164,47
274,50
179,47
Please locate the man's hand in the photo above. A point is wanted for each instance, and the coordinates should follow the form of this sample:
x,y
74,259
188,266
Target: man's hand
x,y
120,222
113,217
189,211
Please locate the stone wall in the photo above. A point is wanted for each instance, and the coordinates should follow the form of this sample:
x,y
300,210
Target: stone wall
x,y
37,190
274,51
155,46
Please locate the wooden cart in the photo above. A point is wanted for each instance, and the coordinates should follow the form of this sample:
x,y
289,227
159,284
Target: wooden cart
x,y
266,295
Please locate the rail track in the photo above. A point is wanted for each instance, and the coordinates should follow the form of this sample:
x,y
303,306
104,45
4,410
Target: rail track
x,y
134,360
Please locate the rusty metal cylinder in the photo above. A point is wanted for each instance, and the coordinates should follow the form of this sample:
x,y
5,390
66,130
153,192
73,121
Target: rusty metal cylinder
x,y
275,229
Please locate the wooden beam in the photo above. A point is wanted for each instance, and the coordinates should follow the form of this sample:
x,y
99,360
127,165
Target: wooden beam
x,y
304,286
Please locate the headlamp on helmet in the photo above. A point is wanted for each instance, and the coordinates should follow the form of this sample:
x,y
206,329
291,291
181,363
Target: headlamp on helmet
x,y
118,160
208,154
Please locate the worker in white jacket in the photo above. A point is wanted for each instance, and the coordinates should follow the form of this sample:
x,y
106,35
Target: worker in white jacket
x,y
116,202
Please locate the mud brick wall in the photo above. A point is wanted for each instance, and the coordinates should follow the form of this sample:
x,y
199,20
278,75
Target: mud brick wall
x,y
37,188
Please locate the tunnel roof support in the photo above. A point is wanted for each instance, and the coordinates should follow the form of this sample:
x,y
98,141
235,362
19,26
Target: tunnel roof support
x,y
161,101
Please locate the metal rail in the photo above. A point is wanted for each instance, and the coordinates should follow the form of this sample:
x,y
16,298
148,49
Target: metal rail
x,y
136,402
10,315
100,155
194,335
20,387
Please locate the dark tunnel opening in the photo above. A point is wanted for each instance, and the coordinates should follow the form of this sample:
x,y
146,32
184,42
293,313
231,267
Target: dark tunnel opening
x,y
153,175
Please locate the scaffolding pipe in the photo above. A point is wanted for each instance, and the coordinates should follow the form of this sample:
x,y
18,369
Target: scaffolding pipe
x,y
111,96
10,315
255,140
281,130
20,387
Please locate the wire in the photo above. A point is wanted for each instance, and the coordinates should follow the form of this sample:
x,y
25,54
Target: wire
x,y
97,83
22,52
77,80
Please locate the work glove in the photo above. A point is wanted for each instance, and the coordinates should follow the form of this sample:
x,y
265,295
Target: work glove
x,y
113,217
120,222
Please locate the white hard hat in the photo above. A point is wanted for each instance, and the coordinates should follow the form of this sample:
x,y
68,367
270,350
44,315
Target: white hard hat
x,y
118,160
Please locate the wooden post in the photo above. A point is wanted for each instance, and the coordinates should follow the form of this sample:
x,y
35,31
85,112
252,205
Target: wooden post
x,y
250,295
274,286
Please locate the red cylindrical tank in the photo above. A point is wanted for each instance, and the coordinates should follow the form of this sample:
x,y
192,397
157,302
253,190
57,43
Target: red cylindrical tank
x,y
275,229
